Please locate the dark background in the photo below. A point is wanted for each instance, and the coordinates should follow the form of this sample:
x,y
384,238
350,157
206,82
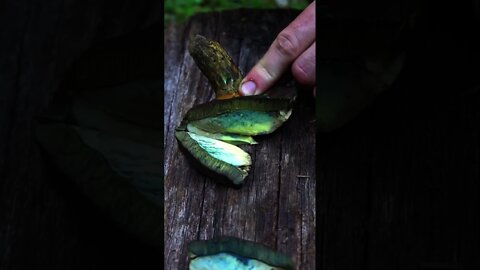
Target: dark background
x,y
398,187
45,221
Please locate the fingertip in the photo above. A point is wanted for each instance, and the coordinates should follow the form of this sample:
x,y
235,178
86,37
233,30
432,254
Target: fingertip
x,y
248,88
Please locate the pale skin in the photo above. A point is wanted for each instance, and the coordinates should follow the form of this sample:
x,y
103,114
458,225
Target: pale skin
x,y
294,48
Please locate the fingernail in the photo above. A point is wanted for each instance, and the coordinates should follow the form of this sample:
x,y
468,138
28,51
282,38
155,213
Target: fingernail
x,y
248,88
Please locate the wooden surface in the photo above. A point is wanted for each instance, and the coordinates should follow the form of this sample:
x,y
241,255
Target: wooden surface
x,y
398,188
276,206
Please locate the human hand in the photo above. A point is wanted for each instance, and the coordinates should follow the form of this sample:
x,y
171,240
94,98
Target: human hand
x,y
295,44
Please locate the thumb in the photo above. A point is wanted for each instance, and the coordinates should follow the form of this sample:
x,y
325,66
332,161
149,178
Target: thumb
x,y
262,76
289,44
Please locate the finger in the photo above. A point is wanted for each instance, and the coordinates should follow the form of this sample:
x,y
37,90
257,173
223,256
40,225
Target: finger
x,y
288,45
303,68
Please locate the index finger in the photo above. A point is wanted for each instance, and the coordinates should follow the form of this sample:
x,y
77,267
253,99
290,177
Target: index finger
x,y
288,45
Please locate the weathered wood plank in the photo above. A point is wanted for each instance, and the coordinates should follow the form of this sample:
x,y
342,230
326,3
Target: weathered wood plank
x,y
297,186
274,207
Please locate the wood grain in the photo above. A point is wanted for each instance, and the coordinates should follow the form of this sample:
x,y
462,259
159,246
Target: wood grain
x,y
276,206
